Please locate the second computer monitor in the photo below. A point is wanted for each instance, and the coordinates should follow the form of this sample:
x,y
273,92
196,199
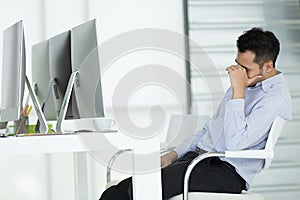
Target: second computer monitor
x,y
60,70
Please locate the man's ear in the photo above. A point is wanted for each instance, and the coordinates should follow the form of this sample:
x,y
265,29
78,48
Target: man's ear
x,y
269,66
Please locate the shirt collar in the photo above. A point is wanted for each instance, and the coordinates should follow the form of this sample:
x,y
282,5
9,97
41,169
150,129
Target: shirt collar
x,y
266,84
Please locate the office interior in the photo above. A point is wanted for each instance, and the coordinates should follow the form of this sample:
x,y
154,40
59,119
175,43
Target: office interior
x,y
213,27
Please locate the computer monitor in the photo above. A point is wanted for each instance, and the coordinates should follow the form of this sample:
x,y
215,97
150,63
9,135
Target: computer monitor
x,y
60,71
51,70
13,72
85,60
14,76
86,74
41,79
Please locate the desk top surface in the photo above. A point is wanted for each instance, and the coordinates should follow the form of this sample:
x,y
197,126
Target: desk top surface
x,y
79,142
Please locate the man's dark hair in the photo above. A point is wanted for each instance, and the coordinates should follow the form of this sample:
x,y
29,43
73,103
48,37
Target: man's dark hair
x,y
263,44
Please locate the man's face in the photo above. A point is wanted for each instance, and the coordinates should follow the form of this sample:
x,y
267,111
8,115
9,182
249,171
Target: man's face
x,y
246,60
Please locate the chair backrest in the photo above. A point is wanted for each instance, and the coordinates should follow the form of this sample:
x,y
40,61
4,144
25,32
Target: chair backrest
x,y
274,134
180,126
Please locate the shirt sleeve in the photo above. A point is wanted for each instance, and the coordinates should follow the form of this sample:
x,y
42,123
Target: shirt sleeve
x,y
245,131
191,142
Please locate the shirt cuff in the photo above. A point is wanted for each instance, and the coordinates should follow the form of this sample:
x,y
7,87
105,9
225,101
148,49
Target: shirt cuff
x,y
179,151
235,105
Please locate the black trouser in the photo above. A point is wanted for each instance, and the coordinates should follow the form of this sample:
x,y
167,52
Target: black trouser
x,y
210,175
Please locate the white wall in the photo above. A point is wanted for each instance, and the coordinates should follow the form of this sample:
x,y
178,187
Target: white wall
x,y
13,11
52,177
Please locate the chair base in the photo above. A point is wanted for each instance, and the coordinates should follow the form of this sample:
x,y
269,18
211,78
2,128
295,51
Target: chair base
x,y
220,196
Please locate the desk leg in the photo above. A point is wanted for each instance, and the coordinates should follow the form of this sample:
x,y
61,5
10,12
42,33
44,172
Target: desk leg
x,y
147,175
80,174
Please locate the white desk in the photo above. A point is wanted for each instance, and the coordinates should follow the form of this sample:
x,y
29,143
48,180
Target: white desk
x,y
146,185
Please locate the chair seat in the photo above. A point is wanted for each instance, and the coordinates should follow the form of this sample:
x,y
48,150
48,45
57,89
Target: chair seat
x,y
220,196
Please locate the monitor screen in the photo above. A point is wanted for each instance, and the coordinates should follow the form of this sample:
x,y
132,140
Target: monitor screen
x,y
85,61
13,72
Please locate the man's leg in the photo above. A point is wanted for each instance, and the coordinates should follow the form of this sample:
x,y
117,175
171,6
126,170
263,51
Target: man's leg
x,y
122,191
215,175
210,175
173,175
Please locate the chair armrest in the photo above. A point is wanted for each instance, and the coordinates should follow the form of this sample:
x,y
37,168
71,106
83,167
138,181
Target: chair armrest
x,y
111,162
117,154
191,166
256,154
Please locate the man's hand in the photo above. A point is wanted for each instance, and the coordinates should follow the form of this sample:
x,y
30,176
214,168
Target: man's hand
x,y
168,158
239,80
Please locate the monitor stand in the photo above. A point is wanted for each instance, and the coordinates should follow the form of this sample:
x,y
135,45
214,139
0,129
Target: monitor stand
x,y
65,103
51,84
43,124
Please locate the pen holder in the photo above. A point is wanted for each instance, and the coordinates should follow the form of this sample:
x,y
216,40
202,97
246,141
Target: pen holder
x,y
3,125
21,125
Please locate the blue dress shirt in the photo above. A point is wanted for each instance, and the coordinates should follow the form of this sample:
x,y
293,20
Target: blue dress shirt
x,y
243,124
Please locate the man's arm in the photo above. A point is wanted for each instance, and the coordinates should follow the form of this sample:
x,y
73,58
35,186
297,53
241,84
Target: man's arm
x,y
189,144
243,130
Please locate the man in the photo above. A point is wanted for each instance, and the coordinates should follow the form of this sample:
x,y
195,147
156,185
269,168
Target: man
x,y
242,121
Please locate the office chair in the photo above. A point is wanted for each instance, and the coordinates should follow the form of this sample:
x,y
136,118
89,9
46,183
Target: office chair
x,y
180,126
267,154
